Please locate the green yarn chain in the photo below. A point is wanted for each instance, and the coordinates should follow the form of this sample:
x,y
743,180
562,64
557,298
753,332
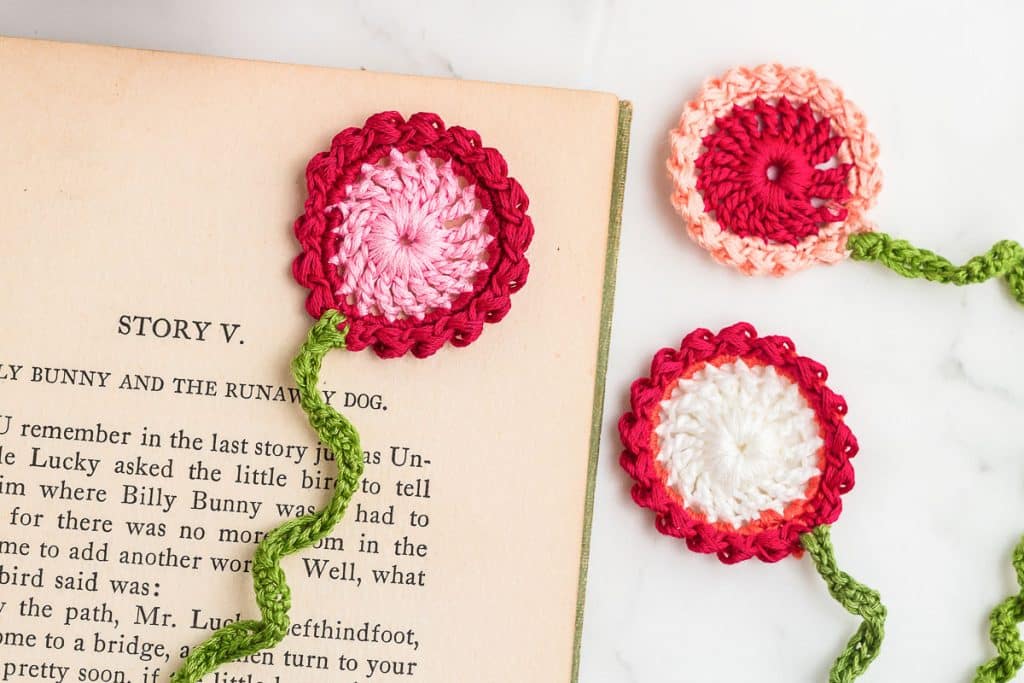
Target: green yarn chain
x,y
857,599
1005,259
273,596
1005,633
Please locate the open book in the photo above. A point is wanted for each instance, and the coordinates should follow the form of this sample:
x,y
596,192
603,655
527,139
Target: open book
x,y
149,431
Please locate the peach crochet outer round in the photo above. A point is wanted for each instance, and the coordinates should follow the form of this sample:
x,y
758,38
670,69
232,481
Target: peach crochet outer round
x,y
753,254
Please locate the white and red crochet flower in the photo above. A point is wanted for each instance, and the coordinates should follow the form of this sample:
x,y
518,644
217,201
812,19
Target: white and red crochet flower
x,y
414,232
737,444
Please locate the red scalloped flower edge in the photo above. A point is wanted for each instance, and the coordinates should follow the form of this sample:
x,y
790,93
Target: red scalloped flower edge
x,y
329,173
650,489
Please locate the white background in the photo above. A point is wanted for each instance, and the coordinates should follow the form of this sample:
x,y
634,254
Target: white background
x,y
934,375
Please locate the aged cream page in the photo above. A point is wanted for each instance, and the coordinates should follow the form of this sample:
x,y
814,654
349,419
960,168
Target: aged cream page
x,y
148,430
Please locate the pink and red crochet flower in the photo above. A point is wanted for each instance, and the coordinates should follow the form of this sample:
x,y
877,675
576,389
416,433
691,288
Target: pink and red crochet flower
x,y
773,169
414,232
737,444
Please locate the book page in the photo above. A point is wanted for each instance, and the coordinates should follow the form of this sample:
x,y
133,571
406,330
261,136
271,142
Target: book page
x,y
149,430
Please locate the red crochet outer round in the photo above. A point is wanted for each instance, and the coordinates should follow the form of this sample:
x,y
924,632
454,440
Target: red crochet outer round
x,y
330,173
768,543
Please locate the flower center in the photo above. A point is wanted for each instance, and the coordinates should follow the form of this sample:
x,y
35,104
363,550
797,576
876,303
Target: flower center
x,y
738,442
763,172
412,238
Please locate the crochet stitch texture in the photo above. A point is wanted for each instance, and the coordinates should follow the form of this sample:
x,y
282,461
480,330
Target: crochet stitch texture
x,y
740,449
727,122
737,441
411,238
773,170
773,535
760,174
864,645
421,311
1005,259
273,596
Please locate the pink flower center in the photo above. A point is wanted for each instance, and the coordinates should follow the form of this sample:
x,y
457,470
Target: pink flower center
x,y
411,240
765,172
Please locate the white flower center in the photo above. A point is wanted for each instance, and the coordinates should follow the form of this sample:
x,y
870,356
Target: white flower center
x,y
737,441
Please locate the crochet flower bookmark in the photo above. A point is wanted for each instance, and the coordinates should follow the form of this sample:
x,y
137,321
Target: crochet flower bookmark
x,y
740,449
413,236
774,170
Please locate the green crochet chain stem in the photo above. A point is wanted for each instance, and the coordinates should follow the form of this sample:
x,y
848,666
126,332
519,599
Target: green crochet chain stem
x,y
273,596
1005,633
857,599
1005,259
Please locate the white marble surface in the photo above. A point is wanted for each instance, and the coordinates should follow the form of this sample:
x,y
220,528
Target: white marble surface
x,y
934,376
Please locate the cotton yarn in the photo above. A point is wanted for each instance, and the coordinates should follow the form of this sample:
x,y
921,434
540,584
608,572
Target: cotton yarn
x,y
738,441
413,237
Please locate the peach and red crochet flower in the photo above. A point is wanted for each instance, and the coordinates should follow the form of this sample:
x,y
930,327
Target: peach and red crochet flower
x,y
773,169
414,232
737,445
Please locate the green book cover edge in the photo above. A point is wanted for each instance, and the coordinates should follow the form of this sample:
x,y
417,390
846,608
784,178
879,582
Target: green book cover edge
x,y
607,304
